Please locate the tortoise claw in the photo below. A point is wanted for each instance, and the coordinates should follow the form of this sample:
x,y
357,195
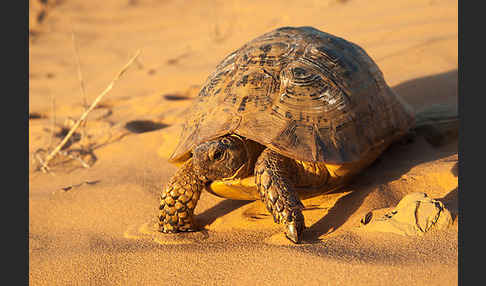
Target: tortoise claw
x,y
294,231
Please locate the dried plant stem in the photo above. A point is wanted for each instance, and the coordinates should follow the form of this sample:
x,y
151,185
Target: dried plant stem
x,y
80,77
53,116
84,164
80,74
85,114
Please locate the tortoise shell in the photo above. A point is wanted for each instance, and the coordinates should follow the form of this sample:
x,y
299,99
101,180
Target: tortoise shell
x,y
302,92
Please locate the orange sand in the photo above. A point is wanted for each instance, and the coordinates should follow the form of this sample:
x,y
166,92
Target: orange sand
x,y
96,232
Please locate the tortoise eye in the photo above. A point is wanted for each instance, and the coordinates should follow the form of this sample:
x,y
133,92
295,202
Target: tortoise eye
x,y
218,154
225,141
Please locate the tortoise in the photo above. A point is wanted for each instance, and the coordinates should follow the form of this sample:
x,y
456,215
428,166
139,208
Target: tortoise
x,y
293,113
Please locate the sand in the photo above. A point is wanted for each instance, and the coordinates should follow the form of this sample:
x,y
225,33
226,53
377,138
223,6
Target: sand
x,y
91,226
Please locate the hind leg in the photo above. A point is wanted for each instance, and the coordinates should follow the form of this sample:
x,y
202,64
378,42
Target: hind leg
x,y
274,179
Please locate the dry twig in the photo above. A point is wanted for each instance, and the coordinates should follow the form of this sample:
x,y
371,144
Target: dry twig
x,y
51,155
80,77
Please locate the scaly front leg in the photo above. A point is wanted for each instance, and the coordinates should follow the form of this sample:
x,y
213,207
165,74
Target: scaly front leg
x,y
179,198
274,179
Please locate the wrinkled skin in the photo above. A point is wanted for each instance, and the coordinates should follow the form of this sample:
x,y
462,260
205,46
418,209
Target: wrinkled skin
x,y
229,157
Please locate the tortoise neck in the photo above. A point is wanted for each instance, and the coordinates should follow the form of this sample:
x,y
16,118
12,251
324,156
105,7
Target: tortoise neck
x,y
253,151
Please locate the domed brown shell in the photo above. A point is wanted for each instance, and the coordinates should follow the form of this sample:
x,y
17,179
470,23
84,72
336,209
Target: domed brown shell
x,y
307,94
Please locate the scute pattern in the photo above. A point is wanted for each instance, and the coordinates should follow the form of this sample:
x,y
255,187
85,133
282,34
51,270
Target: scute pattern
x,y
304,93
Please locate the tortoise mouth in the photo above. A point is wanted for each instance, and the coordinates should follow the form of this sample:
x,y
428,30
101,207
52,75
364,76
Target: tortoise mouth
x,y
239,174
242,172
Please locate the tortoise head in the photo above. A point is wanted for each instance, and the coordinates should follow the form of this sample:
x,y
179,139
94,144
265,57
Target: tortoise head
x,y
225,157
